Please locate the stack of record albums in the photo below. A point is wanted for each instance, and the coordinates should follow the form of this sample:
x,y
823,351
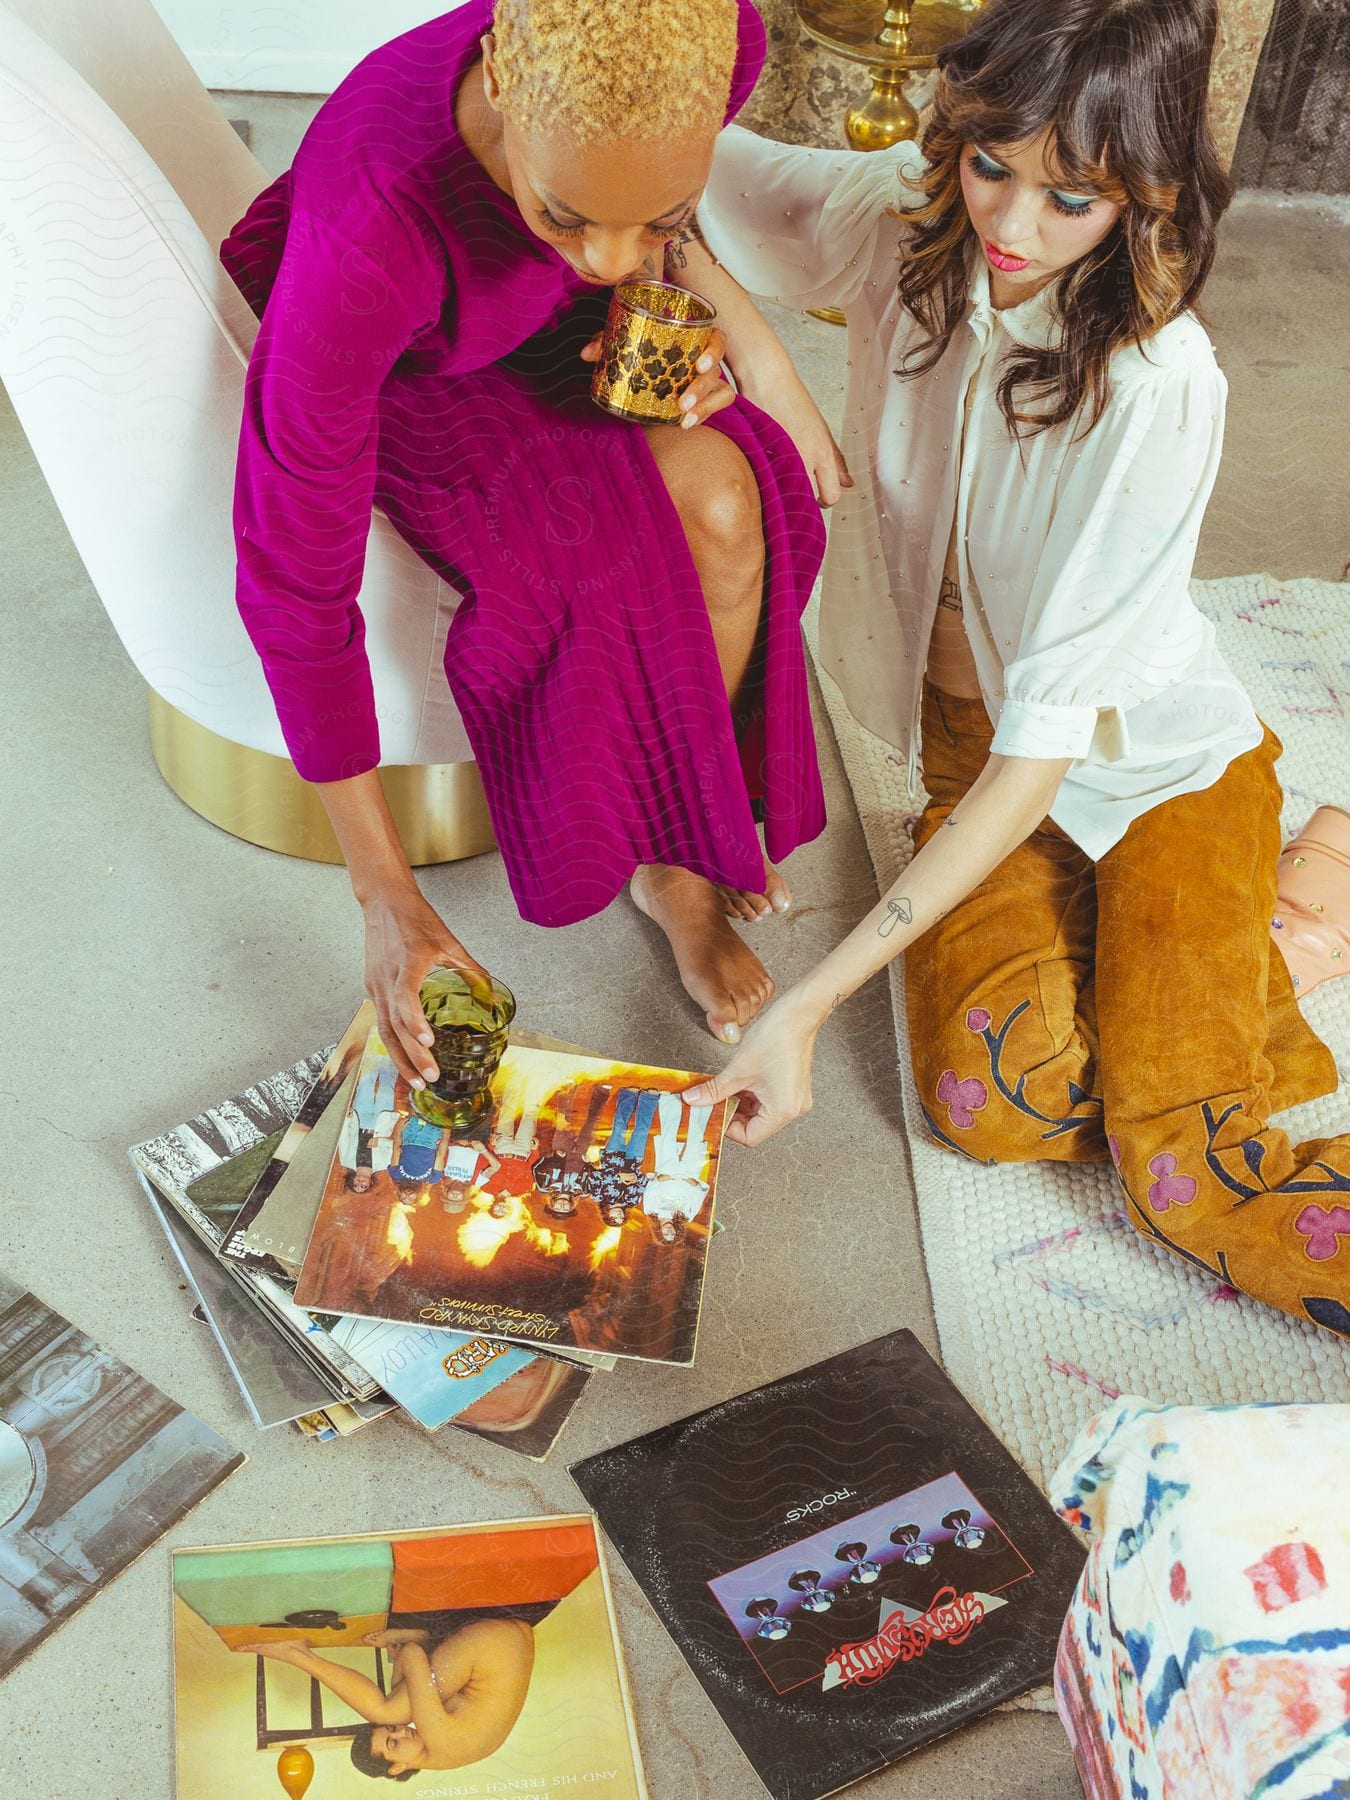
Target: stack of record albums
x,y
351,1258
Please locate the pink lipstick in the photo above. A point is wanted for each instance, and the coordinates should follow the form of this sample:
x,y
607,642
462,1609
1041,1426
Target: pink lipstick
x,y
1001,260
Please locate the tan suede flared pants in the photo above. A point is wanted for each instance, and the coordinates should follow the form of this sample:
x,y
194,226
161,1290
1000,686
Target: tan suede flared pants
x,y
1135,1008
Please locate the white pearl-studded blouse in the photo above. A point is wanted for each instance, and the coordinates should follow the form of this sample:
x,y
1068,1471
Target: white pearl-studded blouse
x,y
1074,558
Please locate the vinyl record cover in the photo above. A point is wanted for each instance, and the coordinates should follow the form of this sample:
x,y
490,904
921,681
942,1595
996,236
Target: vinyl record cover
x,y
205,1168
276,1221
848,1559
472,1659
433,1375
339,1420
526,1414
579,1216
278,1384
95,1465
272,1226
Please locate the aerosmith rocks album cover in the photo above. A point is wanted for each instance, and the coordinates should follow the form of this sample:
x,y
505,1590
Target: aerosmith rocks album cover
x,y
848,1559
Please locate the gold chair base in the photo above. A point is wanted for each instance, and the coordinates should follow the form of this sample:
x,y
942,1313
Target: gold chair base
x,y
440,810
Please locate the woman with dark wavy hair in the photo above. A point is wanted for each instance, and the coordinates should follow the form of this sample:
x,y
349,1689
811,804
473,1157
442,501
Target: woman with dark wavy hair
x,y
1033,426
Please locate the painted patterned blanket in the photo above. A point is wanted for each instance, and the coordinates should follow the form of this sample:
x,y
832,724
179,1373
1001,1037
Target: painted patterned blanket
x,y
1206,1653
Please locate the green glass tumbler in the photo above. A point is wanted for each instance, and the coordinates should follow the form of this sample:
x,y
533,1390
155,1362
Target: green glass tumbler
x,y
469,1043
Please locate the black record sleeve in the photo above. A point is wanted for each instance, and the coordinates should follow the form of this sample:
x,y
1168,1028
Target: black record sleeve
x,y
848,1559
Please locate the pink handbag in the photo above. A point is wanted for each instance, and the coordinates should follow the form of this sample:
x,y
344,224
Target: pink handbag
x,y
1312,908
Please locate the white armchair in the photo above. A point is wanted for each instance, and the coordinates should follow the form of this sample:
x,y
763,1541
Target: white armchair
x,y
123,345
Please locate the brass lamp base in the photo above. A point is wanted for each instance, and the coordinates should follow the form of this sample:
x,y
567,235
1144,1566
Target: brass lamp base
x,y
893,38
885,117
440,810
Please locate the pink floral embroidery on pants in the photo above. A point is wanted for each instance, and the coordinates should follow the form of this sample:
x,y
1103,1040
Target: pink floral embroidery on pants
x,y
1169,1188
1324,1227
963,1099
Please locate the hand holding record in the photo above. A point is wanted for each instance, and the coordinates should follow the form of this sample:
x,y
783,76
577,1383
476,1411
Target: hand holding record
x,y
769,1078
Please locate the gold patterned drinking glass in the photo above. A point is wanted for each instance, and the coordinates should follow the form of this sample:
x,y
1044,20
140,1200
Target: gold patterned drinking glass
x,y
470,1039
654,335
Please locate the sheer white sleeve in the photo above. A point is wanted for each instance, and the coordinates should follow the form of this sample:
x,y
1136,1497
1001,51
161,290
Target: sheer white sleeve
x,y
799,225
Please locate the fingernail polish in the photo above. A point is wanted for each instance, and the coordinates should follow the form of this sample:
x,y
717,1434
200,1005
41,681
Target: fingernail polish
x,y
688,420
418,1082
703,364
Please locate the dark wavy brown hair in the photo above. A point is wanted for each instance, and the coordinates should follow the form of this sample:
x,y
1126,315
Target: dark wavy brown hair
x,y
1122,86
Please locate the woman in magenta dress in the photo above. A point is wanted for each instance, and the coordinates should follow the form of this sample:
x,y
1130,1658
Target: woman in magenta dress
x,y
627,654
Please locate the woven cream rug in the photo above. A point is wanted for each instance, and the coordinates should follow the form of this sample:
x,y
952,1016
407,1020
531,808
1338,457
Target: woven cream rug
x,y
1048,1303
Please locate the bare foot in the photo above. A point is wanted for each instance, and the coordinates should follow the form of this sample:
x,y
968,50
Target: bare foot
x,y
740,903
719,972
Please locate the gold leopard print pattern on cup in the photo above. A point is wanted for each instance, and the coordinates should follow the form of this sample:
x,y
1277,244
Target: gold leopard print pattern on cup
x,y
654,334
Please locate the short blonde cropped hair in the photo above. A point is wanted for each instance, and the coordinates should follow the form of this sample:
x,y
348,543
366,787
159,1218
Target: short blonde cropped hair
x,y
616,68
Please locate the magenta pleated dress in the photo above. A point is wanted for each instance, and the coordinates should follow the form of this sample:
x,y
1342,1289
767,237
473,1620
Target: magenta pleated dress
x,y
419,351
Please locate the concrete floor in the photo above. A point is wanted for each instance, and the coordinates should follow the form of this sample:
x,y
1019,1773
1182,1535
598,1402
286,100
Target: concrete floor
x,y
160,964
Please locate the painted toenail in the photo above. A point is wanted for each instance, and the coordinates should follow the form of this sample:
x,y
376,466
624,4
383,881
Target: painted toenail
x,y
731,1034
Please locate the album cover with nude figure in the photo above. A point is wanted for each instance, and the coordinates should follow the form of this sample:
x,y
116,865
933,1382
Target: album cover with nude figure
x,y
468,1659
578,1215
849,1560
